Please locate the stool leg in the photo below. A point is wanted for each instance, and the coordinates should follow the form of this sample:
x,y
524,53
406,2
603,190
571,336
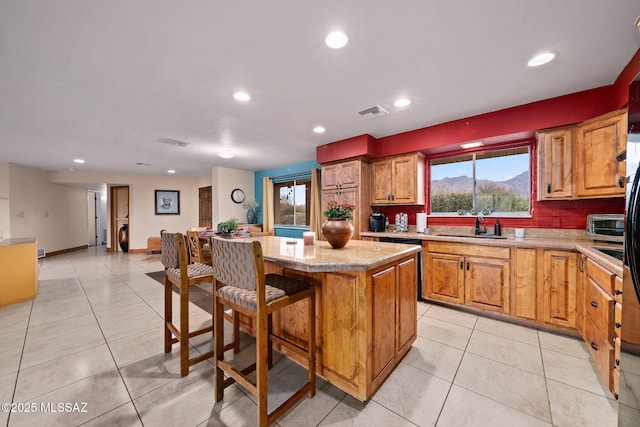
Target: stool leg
x,y
269,343
236,331
168,310
218,329
262,343
184,330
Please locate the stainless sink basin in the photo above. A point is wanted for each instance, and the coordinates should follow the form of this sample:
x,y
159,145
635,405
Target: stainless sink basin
x,y
473,236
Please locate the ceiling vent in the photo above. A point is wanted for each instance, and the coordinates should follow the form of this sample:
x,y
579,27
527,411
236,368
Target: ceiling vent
x,y
373,112
174,142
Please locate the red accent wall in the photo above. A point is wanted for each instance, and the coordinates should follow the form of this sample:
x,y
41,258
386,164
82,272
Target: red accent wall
x,y
499,128
621,86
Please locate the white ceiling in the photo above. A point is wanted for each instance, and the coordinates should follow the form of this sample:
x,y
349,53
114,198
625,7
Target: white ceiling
x,y
106,80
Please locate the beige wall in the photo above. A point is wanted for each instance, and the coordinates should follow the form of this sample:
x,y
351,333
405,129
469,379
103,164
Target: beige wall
x,y
224,180
55,214
5,221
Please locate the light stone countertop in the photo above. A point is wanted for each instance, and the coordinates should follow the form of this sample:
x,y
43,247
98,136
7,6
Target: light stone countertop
x,y
574,240
17,241
357,255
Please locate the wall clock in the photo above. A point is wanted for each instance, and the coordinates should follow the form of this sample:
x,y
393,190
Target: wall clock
x,y
237,195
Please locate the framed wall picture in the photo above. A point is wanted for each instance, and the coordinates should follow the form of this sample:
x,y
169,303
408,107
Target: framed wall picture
x,y
167,202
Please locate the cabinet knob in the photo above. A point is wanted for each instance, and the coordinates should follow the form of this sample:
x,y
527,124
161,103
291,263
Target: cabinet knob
x,y
467,266
621,181
581,266
594,346
618,325
548,188
618,291
461,265
594,304
617,362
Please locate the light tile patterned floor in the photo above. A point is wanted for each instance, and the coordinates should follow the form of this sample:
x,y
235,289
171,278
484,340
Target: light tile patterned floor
x,y
94,334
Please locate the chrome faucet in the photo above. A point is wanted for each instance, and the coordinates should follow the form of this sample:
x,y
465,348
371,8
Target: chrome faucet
x,y
479,230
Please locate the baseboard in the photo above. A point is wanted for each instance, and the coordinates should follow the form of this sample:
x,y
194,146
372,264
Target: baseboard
x,y
65,251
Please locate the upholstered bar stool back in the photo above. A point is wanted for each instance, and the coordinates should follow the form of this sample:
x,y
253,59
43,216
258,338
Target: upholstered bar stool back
x,y
240,282
180,273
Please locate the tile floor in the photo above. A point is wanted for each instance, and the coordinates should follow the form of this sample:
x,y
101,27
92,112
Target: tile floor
x,y
94,335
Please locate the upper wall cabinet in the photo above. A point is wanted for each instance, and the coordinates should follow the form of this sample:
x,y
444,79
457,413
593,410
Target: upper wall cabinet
x,y
579,162
599,141
555,163
398,180
341,175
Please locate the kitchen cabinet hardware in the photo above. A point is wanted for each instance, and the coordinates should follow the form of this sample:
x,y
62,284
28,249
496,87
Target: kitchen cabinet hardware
x,y
594,304
594,346
618,325
618,291
621,181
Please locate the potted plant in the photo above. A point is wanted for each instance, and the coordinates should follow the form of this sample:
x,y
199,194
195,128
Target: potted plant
x,y
337,229
227,227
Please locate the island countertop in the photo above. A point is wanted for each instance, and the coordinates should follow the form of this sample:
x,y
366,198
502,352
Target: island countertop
x,y
357,255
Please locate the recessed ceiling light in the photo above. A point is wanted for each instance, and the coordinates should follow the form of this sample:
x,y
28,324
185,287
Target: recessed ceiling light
x,y
78,161
241,96
402,102
171,171
319,129
542,59
226,154
472,144
336,40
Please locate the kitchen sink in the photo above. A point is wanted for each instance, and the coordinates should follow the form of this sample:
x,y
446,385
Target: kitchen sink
x,y
473,236
612,252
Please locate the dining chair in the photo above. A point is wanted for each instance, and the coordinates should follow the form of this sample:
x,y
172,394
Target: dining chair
x,y
179,272
260,233
240,282
197,252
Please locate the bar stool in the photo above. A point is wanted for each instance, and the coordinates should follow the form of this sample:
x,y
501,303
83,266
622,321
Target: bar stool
x,y
240,283
179,272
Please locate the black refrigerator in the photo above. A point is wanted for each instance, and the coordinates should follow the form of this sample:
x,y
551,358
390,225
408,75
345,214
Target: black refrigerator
x,y
629,395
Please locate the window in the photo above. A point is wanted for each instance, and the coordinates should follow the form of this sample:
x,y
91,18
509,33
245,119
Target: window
x,y
292,201
495,182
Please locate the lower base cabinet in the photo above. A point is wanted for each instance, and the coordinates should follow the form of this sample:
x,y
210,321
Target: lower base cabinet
x,y
559,287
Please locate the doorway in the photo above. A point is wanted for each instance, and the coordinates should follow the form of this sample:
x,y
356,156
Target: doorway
x,y
119,216
92,218
205,206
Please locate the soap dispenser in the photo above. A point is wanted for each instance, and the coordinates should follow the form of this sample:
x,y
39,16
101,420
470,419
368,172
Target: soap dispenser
x,y
497,230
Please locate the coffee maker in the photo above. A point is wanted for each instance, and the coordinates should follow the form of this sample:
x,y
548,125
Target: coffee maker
x,y
377,222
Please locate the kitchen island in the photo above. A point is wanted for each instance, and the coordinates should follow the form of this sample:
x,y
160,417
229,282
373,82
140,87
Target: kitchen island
x,y
19,267
366,302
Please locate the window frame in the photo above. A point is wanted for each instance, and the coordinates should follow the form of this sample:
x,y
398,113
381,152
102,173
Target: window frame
x,y
276,200
529,144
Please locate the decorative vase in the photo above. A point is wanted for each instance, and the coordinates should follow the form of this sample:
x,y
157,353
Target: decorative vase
x,y
337,231
251,216
123,238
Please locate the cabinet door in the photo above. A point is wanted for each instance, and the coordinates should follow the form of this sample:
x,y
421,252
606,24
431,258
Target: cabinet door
x,y
525,290
330,177
384,319
555,164
341,175
559,288
598,172
445,277
403,180
580,293
381,188
487,284
407,294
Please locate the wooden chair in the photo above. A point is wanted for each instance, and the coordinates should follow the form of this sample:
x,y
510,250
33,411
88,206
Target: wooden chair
x,y
197,253
179,272
260,233
240,282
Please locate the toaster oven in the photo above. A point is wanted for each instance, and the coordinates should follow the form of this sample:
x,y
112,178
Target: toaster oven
x,y
605,227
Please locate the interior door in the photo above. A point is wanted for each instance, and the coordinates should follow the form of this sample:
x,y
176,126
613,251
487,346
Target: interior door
x,y
205,207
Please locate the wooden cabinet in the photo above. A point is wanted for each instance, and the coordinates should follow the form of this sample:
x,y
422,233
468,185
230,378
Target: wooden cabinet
x,y
555,163
602,322
599,141
341,175
580,161
19,266
465,274
398,180
348,182
525,286
559,285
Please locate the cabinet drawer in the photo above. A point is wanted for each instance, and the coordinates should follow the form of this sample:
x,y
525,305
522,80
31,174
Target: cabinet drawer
x,y
617,320
470,250
617,289
601,276
599,307
601,351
